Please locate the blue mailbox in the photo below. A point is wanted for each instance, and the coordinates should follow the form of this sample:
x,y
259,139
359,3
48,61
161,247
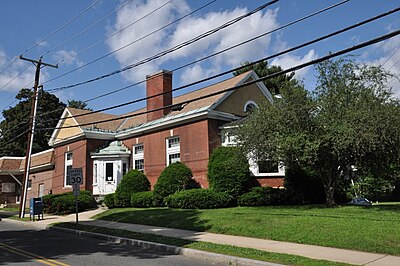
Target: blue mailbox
x,y
35,208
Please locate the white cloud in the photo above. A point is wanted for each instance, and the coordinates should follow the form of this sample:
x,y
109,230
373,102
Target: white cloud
x,y
389,57
17,75
288,61
67,57
188,28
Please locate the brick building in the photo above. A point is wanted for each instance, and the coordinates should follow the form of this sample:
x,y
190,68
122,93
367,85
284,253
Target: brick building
x,y
185,128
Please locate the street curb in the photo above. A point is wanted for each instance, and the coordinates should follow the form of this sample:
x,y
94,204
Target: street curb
x,y
188,252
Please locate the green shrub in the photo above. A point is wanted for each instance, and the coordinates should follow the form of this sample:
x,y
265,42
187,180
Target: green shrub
x,y
109,200
228,171
176,177
199,199
142,199
65,203
133,181
264,196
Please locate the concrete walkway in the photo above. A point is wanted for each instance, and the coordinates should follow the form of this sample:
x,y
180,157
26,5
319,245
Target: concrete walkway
x,y
310,251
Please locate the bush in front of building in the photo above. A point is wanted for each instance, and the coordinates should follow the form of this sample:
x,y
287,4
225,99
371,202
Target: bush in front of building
x,y
133,181
109,200
142,199
65,203
174,178
265,196
228,171
199,199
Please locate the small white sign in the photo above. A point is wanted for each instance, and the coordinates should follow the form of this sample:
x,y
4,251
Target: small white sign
x,y
76,189
75,176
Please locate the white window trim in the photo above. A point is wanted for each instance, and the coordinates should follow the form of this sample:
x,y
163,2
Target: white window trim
x,y
137,156
66,164
95,173
172,150
248,103
254,169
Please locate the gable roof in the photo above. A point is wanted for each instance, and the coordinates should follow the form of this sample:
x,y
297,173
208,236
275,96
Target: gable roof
x,y
139,121
17,164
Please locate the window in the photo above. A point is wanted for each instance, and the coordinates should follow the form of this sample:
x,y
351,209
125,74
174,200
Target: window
x,y
8,187
267,166
124,168
249,107
173,150
138,157
68,167
29,184
41,190
95,173
109,171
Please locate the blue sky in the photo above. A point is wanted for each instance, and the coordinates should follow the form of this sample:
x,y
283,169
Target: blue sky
x,y
26,23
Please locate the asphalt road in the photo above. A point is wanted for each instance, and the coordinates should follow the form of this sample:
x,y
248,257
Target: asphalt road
x,y
22,245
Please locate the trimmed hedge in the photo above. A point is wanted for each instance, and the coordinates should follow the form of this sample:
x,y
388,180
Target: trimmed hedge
x,y
228,171
264,196
199,199
176,177
65,203
142,199
133,181
109,200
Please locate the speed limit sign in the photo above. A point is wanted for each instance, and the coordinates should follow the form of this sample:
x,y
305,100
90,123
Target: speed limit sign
x,y
75,176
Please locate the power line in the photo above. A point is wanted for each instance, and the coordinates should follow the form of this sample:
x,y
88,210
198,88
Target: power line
x,y
391,56
176,47
124,28
131,43
289,70
88,28
241,67
224,50
62,27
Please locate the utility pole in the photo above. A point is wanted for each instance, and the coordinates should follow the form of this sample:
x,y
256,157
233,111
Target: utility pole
x,y
31,131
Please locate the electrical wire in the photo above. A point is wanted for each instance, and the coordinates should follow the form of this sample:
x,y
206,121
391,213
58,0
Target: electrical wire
x,y
241,67
391,56
289,70
175,48
88,28
131,43
124,28
62,27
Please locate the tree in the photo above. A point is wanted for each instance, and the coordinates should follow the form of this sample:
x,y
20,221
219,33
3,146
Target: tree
x,y
263,69
349,122
78,105
15,124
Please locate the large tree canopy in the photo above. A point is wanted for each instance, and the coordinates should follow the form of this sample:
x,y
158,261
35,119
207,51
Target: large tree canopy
x,y
78,105
349,122
13,128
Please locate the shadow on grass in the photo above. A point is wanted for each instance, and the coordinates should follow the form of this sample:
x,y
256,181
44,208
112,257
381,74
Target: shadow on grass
x,y
172,218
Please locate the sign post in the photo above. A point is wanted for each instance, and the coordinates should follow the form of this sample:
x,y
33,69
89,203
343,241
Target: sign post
x,y
76,179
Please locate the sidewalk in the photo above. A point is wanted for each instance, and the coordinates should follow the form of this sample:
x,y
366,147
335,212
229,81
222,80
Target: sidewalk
x,y
310,251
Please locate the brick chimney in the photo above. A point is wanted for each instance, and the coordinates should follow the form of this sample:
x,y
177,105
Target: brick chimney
x,y
160,82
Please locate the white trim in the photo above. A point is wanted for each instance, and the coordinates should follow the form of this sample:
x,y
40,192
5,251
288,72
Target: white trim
x,y
172,150
66,164
137,156
52,139
248,103
16,179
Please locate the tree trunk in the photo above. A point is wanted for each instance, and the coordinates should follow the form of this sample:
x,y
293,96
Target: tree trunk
x,y
329,194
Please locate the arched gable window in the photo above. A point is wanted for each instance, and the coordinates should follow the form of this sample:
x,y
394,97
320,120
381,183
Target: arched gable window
x,y
250,106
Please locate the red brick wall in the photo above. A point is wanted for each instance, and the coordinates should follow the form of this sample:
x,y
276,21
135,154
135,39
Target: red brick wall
x,y
194,149
81,159
45,178
270,181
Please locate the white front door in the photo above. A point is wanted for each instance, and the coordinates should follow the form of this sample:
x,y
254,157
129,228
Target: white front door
x,y
111,170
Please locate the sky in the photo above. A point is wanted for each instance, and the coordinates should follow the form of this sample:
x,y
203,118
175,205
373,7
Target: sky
x,y
91,38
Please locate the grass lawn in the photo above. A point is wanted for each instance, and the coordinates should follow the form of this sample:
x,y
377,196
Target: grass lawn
x,y
205,246
374,229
